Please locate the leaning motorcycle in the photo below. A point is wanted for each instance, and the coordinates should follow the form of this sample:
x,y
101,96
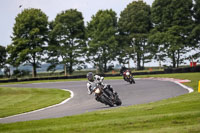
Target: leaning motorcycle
x,y
128,77
104,95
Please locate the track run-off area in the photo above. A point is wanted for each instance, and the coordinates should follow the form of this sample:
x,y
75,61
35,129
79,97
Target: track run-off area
x,y
145,90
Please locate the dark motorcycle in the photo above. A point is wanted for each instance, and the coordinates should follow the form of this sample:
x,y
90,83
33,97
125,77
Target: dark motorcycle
x,y
128,77
105,95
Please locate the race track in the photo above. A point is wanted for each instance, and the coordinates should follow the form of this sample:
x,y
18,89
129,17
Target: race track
x,y
144,91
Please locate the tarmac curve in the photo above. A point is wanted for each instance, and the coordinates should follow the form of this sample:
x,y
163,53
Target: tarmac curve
x,y
144,91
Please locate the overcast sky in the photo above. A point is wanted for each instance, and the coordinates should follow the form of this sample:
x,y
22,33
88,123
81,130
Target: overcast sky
x,y
10,8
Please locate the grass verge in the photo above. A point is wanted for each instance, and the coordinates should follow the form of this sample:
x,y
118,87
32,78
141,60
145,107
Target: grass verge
x,y
19,100
178,115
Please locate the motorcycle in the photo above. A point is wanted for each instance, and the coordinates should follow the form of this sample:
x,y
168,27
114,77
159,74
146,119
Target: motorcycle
x,y
128,77
105,95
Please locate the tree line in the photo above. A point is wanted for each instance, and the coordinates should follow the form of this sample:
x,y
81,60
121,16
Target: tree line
x,y
166,30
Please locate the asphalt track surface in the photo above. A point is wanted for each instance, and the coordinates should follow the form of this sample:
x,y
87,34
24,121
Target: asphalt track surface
x,y
144,91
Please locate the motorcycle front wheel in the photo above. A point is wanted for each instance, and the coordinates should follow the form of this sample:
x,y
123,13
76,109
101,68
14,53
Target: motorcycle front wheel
x,y
107,101
132,81
118,102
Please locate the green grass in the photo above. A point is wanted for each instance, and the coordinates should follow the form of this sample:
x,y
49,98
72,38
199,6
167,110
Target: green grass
x,y
19,100
175,115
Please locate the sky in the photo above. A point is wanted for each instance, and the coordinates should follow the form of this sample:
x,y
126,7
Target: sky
x,y
9,9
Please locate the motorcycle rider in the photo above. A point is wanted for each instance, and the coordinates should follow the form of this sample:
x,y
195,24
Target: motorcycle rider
x,y
123,71
127,75
96,79
123,68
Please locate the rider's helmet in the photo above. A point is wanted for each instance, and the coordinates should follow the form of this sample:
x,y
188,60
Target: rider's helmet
x,y
90,76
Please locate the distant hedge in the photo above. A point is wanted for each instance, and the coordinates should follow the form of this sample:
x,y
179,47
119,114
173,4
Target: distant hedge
x,y
182,70
167,70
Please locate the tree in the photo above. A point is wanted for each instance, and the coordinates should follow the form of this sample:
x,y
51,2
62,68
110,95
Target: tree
x,y
158,51
134,27
67,39
3,55
29,38
173,22
102,42
195,35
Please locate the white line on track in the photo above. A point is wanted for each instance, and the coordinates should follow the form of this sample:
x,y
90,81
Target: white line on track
x,y
176,81
63,102
185,87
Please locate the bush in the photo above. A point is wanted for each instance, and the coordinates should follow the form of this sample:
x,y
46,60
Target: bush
x,y
182,70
